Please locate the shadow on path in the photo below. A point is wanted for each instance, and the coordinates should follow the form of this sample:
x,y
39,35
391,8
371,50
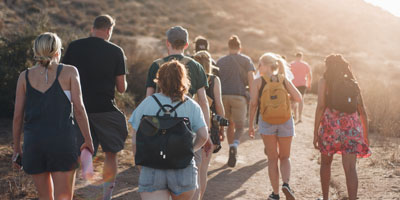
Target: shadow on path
x,y
228,181
126,187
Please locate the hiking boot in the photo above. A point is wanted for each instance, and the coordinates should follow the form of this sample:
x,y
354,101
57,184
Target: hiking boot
x,y
232,156
273,196
288,192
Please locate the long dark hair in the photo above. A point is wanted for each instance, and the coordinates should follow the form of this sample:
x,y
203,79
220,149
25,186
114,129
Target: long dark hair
x,y
336,67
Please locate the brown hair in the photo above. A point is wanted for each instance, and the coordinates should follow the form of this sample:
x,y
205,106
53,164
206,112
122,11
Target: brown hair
x,y
336,66
103,22
178,44
234,43
204,58
201,43
299,54
172,80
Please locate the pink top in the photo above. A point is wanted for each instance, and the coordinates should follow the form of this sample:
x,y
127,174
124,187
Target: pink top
x,y
302,73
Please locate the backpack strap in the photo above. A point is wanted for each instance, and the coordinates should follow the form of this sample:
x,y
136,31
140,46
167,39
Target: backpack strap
x,y
159,104
281,78
266,78
171,110
159,61
177,105
185,60
263,84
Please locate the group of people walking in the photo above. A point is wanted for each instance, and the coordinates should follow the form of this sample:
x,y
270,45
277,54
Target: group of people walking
x,y
66,106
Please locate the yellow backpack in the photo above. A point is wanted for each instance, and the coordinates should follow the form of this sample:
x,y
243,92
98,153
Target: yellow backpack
x,y
275,102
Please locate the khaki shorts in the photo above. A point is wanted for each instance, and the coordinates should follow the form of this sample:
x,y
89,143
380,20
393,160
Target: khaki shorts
x,y
235,107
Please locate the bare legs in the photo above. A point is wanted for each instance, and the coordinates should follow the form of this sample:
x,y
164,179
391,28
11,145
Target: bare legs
x,y
110,170
110,167
349,166
271,143
55,185
230,135
205,161
325,173
298,110
235,131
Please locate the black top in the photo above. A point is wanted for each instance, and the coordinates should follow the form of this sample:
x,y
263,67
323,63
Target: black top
x,y
48,125
98,62
210,91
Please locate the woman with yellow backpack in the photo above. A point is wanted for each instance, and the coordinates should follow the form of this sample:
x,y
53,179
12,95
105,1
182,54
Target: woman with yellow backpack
x,y
272,92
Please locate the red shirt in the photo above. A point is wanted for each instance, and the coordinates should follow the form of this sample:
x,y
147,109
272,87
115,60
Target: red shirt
x,y
301,71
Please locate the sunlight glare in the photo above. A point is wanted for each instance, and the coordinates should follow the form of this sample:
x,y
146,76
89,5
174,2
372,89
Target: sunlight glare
x,y
392,6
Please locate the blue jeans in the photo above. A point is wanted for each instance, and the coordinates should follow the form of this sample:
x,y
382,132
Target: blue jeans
x,y
176,181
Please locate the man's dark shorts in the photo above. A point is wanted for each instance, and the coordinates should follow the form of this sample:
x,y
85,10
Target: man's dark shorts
x,y
302,89
108,129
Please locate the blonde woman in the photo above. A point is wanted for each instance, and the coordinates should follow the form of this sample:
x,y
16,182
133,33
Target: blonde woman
x,y
216,107
277,137
45,95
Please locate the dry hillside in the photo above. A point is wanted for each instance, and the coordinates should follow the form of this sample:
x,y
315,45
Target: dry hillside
x,y
317,27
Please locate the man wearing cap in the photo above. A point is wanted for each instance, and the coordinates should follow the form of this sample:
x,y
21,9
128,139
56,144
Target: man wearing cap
x,y
177,42
201,44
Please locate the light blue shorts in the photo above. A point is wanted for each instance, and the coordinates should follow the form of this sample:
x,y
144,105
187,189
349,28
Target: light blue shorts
x,y
176,181
281,130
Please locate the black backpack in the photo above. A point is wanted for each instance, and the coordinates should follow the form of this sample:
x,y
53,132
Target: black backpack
x,y
344,94
164,142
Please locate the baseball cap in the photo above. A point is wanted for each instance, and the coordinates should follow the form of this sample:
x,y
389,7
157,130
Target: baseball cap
x,y
177,33
201,44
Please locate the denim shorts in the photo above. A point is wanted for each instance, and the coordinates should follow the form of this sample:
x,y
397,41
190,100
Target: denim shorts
x,y
281,130
176,181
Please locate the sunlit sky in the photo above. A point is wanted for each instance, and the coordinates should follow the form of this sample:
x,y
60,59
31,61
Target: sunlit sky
x,y
393,6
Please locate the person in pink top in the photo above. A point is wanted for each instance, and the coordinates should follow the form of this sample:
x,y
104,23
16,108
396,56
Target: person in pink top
x,y
302,80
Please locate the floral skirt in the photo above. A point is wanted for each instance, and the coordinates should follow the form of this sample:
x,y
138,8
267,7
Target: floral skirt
x,y
342,133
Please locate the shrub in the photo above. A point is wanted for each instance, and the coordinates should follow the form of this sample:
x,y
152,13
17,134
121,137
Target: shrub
x,y
15,56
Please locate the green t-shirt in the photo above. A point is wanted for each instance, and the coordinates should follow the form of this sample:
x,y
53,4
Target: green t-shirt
x,y
197,76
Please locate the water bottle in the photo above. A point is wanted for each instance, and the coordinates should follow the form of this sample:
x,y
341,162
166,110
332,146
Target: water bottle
x,y
87,164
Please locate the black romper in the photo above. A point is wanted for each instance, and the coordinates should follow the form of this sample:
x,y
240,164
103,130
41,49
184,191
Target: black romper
x,y
49,138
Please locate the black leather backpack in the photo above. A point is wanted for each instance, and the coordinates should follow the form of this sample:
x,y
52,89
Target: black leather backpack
x,y
164,142
344,94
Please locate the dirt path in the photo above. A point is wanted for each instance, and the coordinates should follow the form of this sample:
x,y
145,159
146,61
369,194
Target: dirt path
x,y
379,175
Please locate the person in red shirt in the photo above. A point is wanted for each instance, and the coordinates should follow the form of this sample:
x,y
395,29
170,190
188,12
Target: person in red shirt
x,y
302,80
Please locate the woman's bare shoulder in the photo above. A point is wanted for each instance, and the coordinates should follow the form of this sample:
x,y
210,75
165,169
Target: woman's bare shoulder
x,y
70,69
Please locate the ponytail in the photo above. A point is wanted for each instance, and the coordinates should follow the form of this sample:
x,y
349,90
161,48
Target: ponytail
x,y
281,67
277,63
43,61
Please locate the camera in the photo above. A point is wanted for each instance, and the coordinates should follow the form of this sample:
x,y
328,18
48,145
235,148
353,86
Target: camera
x,y
219,121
